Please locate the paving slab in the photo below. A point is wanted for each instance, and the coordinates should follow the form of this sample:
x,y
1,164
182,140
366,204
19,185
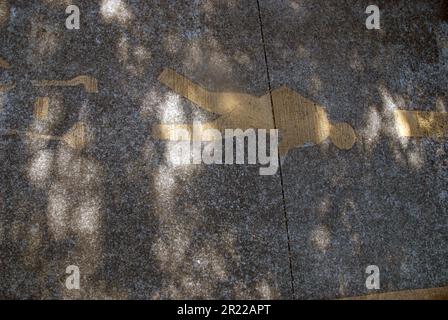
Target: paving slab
x,y
84,182
384,201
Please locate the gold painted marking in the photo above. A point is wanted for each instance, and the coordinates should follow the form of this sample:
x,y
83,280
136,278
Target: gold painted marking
x,y
4,64
5,87
421,123
236,110
419,294
75,138
4,12
299,120
41,106
89,83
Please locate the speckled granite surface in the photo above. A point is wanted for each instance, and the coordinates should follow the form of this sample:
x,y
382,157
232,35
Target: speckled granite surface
x,y
384,202
139,227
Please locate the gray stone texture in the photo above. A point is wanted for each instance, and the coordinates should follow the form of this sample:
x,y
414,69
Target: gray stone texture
x,y
384,202
137,226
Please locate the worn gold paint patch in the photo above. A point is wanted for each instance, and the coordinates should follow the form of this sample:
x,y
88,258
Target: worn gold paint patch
x,y
236,110
421,123
419,294
4,64
5,87
443,44
41,106
298,119
75,138
4,12
90,84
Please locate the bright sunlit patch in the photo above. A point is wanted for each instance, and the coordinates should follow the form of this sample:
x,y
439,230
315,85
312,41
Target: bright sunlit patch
x,y
416,159
396,125
387,98
321,238
170,250
172,110
164,181
295,6
141,54
440,105
88,216
115,10
264,290
109,8
402,124
178,153
123,49
373,128
211,260
57,211
40,166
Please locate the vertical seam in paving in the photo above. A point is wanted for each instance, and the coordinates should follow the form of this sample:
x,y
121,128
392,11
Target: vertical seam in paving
x,y
279,162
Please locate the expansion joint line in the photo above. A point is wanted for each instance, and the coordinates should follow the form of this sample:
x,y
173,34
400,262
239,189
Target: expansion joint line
x,y
279,160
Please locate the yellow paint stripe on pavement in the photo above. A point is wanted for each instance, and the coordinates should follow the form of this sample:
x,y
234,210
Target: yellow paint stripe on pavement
x,y
419,294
